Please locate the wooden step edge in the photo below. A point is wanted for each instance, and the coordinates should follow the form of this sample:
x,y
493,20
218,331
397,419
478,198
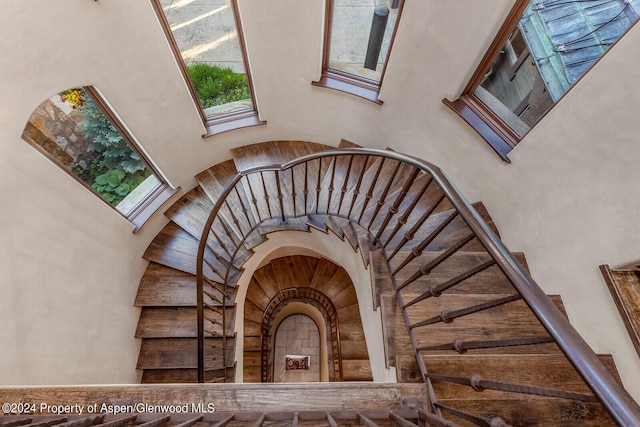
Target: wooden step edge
x,y
348,144
318,222
291,224
365,245
381,280
334,227
351,235
386,333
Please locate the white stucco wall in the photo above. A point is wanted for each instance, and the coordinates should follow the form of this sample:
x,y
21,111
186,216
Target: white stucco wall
x,y
69,265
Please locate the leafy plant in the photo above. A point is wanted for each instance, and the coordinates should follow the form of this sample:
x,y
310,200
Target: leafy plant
x,y
217,85
115,184
114,169
109,146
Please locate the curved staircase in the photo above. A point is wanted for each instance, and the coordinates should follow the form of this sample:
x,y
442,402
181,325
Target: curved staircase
x,y
320,281
451,317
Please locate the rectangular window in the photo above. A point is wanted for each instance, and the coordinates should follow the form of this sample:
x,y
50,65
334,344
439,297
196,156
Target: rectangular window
x,y
541,51
208,43
358,40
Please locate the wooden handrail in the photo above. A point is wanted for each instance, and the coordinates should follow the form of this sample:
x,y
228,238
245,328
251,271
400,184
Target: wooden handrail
x,y
614,397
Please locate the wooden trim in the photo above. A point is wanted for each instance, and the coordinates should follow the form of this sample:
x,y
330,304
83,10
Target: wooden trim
x,y
392,40
209,123
628,309
494,135
321,396
347,84
231,122
150,204
496,45
326,46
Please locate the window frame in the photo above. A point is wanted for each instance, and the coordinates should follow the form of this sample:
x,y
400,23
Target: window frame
x,y
345,82
225,122
148,205
484,121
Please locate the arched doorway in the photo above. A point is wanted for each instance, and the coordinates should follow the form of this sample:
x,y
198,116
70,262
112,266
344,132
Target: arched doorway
x,y
296,350
300,284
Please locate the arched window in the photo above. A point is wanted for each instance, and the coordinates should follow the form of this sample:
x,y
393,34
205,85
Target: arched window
x,y
76,130
357,43
208,43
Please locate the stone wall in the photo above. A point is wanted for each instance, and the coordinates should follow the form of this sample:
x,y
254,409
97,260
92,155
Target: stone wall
x,y
54,127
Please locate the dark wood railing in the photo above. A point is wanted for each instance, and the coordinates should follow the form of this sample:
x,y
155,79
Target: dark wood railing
x,y
357,185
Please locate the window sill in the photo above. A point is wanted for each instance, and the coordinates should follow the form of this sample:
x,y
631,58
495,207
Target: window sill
x,y
232,122
150,205
343,83
500,139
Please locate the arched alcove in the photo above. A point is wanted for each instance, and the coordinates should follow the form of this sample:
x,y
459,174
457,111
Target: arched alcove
x,y
296,350
299,284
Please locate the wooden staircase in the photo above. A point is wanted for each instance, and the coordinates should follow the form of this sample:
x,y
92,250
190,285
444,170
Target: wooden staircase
x,y
451,317
324,277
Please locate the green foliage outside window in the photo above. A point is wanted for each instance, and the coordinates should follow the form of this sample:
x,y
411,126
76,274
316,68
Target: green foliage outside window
x,y
217,85
114,169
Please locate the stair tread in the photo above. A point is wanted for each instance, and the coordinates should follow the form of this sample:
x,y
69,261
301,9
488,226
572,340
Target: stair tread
x,y
179,376
216,178
335,227
381,280
395,335
343,173
490,280
350,232
317,221
515,313
214,181
348,144
523,411
294,271
455,231
181,353
173,247
356,370
274,225
392,179
176,322
365,245
165,286
273,152
191,211
340,290
539,370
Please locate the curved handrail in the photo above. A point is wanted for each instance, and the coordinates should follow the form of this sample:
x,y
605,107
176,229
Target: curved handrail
x,y
617,400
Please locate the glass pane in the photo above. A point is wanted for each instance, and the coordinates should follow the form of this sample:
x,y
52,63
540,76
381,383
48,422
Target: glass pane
x,y
353,26
72,129
205,32
554,44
